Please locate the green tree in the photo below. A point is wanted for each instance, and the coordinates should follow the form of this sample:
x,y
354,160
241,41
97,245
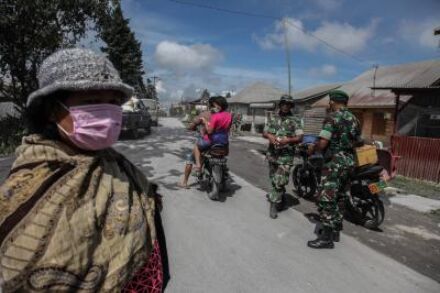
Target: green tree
x,y
122,48
32,30
151,90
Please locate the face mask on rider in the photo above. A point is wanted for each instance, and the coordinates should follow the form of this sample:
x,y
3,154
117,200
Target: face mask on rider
x,y
215,109
95,127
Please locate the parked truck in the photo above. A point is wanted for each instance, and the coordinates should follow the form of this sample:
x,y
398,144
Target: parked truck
x,y
135,118
154,109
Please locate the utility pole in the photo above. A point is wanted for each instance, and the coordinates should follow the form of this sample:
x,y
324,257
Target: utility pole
x,y
286,45
376,66
436,33
154,79
152,91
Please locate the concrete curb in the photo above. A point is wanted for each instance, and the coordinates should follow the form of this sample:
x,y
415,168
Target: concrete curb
x,y
416,203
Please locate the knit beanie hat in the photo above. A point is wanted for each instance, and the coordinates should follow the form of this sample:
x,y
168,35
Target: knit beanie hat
x,y
77,69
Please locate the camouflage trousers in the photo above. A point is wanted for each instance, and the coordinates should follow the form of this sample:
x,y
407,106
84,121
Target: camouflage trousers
x,y
333,189
279,178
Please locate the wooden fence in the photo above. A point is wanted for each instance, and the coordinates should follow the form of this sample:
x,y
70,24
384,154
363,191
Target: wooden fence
x,y
419,157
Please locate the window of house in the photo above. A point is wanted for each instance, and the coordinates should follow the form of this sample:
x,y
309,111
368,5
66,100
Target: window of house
x,y
378,123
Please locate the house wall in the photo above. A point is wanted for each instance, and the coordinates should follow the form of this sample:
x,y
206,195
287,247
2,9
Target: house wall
x,y
243,109
377,124
421,117
246,113
302,106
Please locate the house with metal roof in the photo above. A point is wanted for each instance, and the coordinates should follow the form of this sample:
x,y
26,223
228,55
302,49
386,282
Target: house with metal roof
x,y
254,102
258,100
304,99
375,104
416,140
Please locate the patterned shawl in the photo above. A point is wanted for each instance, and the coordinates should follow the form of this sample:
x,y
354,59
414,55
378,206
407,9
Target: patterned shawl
x,y
73,222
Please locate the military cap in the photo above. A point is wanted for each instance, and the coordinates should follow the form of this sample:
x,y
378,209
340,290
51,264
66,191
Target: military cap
x,y
338,96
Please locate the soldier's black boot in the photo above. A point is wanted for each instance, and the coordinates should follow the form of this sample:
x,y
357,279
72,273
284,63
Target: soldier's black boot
x,y
336,236
273,210
324,240
280,205
336,232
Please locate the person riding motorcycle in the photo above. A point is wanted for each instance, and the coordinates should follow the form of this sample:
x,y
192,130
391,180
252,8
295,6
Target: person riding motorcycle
x,y
283,131
338,137
214,130
217,127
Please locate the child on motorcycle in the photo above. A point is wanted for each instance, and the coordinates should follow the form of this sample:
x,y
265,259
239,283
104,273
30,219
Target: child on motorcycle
x,y
215,131
217,127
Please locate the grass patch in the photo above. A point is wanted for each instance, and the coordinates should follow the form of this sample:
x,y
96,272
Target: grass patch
x,y
415,186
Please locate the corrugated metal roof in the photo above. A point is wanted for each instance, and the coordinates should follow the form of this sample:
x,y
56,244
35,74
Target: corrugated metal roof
x,y
420,74
314,92
256,93
313,120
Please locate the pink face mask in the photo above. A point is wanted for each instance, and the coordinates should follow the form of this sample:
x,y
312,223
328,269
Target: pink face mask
x,y
95,127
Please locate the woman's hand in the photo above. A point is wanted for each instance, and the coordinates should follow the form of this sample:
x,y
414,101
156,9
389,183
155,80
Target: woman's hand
x,y
204,121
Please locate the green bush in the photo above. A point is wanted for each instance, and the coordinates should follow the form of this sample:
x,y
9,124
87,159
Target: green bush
x,y
11,132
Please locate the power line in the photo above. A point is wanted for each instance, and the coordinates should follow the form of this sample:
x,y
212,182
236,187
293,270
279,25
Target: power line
x,y
245,13
327,43
224,9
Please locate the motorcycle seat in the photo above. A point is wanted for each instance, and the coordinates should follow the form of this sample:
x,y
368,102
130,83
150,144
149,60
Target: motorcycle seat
x,y
367,171
219,150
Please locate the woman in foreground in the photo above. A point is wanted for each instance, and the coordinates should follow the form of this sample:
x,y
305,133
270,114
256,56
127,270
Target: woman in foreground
x,y
75,215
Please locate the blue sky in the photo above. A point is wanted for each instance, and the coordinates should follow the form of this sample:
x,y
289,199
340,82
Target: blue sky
x,y
192,48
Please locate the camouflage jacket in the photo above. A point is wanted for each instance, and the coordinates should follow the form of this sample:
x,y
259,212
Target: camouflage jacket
x,y
283,126
342,129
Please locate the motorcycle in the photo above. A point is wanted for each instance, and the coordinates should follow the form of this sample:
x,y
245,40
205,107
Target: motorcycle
x,y
306,177
362,202
214,173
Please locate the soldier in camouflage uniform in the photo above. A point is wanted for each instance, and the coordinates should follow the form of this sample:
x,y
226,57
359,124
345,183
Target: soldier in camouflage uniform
x,y
283,131
339,134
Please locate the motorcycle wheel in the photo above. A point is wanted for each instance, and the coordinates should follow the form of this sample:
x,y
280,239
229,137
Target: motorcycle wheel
x,y
295,176
215,182
305,186
369,213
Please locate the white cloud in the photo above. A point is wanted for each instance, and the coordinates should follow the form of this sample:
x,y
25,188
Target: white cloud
x,y
218,80
182,58
234,79
295,36
420,32
325,70
343,36
160,87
